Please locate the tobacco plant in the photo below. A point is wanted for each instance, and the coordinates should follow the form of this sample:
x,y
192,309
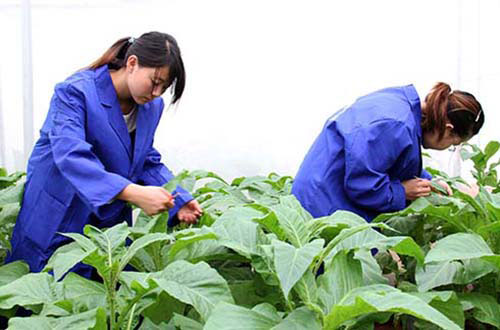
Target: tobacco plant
x,y
11,192
257,259
461,237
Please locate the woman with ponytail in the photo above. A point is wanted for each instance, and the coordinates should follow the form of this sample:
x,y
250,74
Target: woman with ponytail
x,y
367,159
95,153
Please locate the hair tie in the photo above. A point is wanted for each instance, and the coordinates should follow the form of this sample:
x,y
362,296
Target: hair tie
x,y
131,40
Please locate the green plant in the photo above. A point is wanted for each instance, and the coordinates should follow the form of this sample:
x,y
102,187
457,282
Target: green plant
x,y
253,261
485,175
11,194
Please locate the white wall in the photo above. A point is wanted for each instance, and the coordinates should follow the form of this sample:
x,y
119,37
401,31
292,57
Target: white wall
x,y
263,75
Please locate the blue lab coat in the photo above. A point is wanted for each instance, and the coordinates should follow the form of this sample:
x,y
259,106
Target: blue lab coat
x,y
84,157
362,155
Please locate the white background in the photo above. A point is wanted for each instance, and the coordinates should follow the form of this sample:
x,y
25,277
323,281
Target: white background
x,y
263,75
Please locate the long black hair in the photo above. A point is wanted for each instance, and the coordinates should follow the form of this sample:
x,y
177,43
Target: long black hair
x,y
153,49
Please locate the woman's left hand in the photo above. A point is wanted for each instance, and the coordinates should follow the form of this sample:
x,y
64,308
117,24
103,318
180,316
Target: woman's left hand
x,y
445,186
190,212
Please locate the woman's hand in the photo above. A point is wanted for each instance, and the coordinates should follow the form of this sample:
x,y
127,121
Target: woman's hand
x,y
415,188
444,185
471,189
152,200
190,212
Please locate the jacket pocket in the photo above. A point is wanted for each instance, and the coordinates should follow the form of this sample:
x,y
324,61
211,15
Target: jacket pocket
x,y
44,220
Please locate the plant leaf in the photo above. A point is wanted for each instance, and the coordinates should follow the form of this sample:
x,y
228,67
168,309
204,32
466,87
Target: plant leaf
x,y
383,298
291,263
195,284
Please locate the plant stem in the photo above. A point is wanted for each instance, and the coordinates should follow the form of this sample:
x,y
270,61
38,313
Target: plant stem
x,y
111,303
319,312
131,317
130,305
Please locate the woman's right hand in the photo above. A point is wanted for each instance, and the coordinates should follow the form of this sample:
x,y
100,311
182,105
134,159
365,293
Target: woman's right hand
x,y
416,188
151,199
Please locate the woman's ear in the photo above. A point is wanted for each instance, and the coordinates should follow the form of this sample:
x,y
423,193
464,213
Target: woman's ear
x,y
132,63
450,126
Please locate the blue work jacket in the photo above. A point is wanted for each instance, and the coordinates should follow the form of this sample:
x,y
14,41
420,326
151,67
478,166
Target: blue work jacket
x,y
84,157
362,155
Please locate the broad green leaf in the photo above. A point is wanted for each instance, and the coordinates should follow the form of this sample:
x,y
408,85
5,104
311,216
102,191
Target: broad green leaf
x,y
134,279
185,240
196,284
30,289
231,317
146,224
383,298
162,308
299,319
141,243
147,324
82,241
306,288
249,293
12,194
202,250
445,302
291,263
8,213
66,257
236,230
202,174
110,239
344,234
435,274
444,211
459,246
486,309
473,269
490,150
264,264
271,223
342,274
369,239
85,292
372,274
185,323
12,271
268,310
93,319
293,225
291,202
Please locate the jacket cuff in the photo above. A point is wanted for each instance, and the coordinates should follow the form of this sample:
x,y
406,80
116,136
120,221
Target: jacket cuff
x,y
181,199
426,175
105,205
398,201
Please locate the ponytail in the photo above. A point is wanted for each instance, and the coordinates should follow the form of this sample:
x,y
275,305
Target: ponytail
x,y
114,57
461,109
153,50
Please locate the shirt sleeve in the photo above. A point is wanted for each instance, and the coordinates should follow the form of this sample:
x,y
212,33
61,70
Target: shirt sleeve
x,y
73,155
370,152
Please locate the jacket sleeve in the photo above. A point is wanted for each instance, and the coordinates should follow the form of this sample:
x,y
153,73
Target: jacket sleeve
x,y
155,173
74,157
370,152
425,175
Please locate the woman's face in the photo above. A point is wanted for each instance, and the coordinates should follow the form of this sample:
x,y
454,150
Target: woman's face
x,y
145,83
431,140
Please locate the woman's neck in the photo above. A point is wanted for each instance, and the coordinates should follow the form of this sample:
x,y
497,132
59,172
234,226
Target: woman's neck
x,y
118,77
